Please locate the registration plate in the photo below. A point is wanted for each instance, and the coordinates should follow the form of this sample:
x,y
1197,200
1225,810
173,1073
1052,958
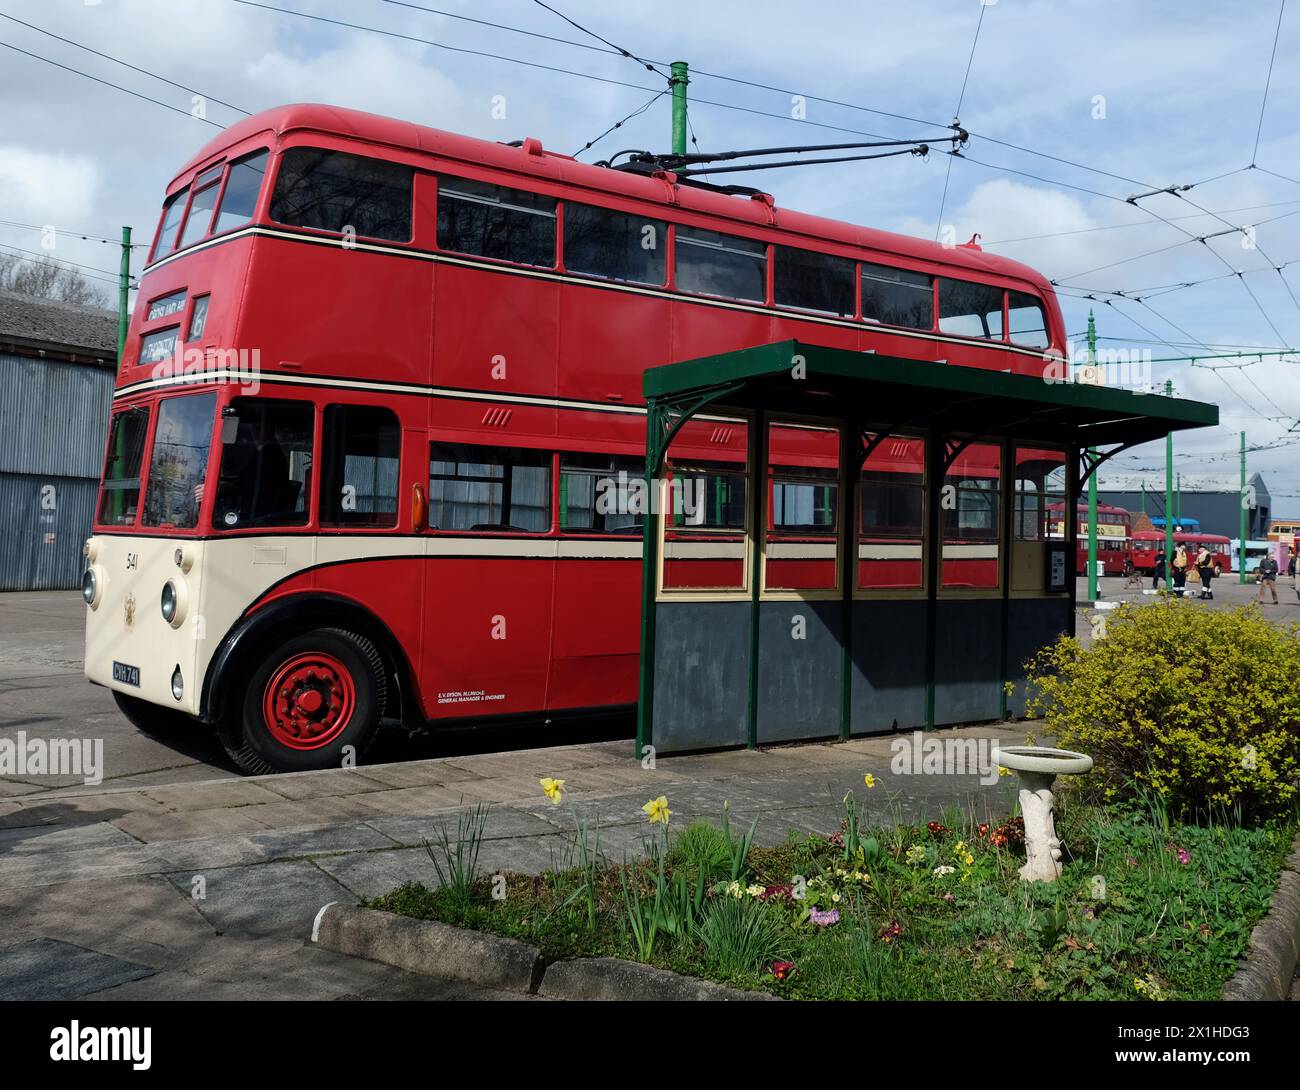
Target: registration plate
x,y
127,675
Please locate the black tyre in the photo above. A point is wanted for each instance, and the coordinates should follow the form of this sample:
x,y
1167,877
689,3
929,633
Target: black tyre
x,y
314,702
157,721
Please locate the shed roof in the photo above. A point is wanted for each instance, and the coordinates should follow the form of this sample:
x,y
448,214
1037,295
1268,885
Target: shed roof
x,y
30,325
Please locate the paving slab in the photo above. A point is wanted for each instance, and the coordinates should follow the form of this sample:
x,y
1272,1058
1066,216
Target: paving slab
x,y
208,796
44,969
191,825
501,822
265,899
330,783
62,838
372,874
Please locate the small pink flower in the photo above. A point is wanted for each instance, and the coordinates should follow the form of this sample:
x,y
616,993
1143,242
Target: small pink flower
x,y
1184,856
824,919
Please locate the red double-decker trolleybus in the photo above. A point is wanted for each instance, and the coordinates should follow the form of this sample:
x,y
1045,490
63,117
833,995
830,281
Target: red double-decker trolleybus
x,y
377,436
1114,537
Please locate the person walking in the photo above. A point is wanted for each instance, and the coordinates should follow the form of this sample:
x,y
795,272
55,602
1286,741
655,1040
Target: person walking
x,y
1158,572
1205,569
1179,564
1268,577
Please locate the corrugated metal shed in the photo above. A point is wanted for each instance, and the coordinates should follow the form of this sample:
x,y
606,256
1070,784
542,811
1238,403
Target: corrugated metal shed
x,y
53,416
45,521
56,388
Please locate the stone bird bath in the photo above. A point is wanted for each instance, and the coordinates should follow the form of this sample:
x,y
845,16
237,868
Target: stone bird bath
x,y
1038,768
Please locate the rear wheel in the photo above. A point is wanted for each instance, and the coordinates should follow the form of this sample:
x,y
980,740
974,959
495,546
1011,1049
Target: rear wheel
x,y
314,702
157,721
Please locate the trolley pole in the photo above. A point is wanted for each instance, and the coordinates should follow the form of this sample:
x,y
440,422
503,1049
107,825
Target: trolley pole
x,y
1092,479
123,288
1178,500
1169,485
1241,551
678,82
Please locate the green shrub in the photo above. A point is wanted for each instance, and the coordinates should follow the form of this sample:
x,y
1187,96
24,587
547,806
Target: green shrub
x,y
702,846
739,936
1200,707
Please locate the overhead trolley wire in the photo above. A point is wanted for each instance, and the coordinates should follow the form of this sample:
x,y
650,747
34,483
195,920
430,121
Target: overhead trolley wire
x,y
125,64
107,83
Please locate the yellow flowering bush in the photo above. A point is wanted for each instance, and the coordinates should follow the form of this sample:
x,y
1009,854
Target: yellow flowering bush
x,y
1200,707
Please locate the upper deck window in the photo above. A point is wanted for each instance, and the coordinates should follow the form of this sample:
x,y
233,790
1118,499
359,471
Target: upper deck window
x,y
206,187
615,245
969,309
1026,321
813,281
492,221
897,297
242,188
334,191
173,209
715,264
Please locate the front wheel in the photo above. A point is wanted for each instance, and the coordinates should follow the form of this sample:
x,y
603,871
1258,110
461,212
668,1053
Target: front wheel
x,y
1218,571
314,702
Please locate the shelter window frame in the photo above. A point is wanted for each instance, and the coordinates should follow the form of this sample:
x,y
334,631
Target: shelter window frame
x,y
1026,555
952,475
921,591
771,476
663,508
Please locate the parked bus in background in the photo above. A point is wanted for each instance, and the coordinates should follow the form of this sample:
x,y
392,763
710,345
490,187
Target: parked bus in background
x,y
1284,530
418,502
1114,537
1149,544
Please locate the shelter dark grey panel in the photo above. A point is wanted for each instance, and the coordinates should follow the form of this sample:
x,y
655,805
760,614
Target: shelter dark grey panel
x,y
701,683
1034,623
968,660
798,670
888,666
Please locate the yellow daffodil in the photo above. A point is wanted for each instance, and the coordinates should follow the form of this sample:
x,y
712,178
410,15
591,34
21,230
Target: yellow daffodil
x,y
552,789
869,780
657,810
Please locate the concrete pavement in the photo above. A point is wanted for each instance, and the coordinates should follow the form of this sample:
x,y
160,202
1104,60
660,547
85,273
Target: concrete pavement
x,y
208,889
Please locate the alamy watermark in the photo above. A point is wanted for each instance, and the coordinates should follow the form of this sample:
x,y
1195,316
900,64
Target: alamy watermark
x,y
1118,368
23,756
916,754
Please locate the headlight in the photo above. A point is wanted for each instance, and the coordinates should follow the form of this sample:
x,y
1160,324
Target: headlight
x,y
168,602
89,587
178,683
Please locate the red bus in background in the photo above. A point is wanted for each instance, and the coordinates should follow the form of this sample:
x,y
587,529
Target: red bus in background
x,y
379,376
1114,537
1149,544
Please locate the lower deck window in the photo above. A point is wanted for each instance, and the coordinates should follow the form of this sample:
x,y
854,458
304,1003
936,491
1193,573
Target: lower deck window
x,y
266,451
120,494
491,489
602,494
179,464
360,445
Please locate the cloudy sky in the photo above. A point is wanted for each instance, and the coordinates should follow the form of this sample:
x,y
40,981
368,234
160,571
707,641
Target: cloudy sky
x,y
1074,106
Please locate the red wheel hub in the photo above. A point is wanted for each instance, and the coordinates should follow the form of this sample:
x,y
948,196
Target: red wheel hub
x,y
309,701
